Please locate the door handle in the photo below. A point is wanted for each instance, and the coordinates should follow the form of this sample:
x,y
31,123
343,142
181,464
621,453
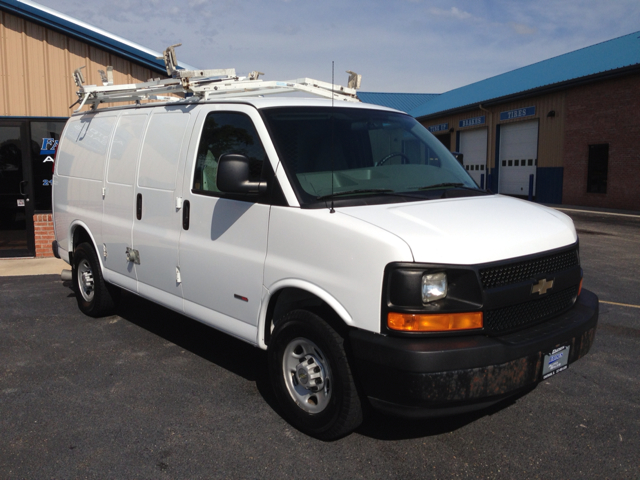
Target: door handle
x,y
186,212
139,207
22,184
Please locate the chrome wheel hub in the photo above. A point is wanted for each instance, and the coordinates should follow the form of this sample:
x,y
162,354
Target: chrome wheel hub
x,y
85,281
307,375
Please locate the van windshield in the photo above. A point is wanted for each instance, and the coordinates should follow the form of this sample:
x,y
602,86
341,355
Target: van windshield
x,y
359,156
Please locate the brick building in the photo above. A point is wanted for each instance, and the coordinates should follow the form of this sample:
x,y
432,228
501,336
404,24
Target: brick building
x,y
605,113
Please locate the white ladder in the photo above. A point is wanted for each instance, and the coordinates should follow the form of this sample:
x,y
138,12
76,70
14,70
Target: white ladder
x,y
203,85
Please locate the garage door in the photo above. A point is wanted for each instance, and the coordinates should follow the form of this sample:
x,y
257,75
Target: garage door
x,y
473,146
518,157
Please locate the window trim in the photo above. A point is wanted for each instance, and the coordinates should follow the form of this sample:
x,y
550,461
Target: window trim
x,y
273,195
196,163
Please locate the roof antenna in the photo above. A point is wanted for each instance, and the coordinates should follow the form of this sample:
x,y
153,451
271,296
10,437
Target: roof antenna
x,y
332,210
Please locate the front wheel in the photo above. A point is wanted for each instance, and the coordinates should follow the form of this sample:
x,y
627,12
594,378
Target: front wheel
x,y
312,378
95,297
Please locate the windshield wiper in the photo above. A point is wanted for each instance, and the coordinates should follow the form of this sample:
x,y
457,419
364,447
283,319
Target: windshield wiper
x,y
350,192
448,184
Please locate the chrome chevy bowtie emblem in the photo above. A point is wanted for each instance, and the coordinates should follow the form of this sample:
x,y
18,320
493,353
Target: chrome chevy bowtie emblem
x,y
542,286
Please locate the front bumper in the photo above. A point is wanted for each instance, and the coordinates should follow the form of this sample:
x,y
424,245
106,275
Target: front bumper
x,y
424,377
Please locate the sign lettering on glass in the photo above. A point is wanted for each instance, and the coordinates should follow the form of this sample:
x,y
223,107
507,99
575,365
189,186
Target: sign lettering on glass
x,y
49,146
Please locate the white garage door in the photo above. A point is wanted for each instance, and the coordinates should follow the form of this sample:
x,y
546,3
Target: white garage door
x,y
473,146
518,157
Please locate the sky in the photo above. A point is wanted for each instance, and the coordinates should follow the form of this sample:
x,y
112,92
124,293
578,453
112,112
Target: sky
x,y
419,46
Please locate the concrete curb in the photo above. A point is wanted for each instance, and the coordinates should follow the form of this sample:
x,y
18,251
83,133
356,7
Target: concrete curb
x,y
18,267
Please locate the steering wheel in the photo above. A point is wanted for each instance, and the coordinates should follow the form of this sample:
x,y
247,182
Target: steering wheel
x,y
403,157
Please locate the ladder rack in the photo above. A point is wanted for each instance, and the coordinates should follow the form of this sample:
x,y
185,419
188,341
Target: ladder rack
x,y
203,85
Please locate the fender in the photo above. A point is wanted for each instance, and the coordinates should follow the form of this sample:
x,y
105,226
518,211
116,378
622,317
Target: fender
x,y
269,292
72,228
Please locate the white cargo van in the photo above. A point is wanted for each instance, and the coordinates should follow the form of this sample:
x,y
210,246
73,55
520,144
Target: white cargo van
x,y
342,238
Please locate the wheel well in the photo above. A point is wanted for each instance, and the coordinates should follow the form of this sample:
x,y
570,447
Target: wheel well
x,y
80,235
289,299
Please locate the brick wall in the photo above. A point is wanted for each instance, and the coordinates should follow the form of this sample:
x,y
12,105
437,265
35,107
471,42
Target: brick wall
x,y
603,112
43,228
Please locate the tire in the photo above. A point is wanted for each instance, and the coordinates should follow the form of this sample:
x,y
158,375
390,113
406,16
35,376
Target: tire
x,y
95,297
312,378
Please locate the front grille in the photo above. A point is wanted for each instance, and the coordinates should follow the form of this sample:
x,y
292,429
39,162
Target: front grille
x,y
523,314
518,271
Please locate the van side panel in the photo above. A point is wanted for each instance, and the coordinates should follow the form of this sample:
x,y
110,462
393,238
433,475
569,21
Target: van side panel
x,y
80,170
85,152
161,150
119,200
156,234
340,256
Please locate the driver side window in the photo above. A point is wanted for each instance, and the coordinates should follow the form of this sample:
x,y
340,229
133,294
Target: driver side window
x,y
224,133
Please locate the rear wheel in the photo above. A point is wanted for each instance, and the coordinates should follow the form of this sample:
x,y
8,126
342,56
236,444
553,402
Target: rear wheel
x,y
95,298
312,377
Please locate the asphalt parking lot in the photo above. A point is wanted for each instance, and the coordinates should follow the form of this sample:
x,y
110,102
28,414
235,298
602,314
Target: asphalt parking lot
x,y
151,394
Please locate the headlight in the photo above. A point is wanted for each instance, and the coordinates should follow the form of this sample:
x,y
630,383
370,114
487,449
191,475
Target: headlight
x,y
434,287
425,298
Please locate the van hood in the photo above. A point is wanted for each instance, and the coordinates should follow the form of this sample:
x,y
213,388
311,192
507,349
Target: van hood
x,y
471,230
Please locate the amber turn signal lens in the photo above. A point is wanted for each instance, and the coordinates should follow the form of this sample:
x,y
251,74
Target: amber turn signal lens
x,y
580,287
438,322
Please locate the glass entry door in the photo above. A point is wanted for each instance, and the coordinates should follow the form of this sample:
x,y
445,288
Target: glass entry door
x,y
16,205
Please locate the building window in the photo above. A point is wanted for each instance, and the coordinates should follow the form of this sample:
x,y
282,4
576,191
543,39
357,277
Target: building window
x,y
598,168
44,143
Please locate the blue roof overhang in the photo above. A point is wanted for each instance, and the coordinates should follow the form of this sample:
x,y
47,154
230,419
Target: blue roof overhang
x,y
534,92
46,18
607,59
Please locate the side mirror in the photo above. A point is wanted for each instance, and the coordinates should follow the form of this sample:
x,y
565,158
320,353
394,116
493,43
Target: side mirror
x,y
233,175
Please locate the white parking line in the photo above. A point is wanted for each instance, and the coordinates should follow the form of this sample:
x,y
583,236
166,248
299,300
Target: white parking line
x,y
596,212
620,304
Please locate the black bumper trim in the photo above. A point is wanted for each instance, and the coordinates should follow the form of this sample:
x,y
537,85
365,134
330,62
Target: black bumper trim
x,y
54,248
445,372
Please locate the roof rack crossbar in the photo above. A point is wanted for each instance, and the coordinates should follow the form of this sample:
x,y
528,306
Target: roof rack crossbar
x,y
205,85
